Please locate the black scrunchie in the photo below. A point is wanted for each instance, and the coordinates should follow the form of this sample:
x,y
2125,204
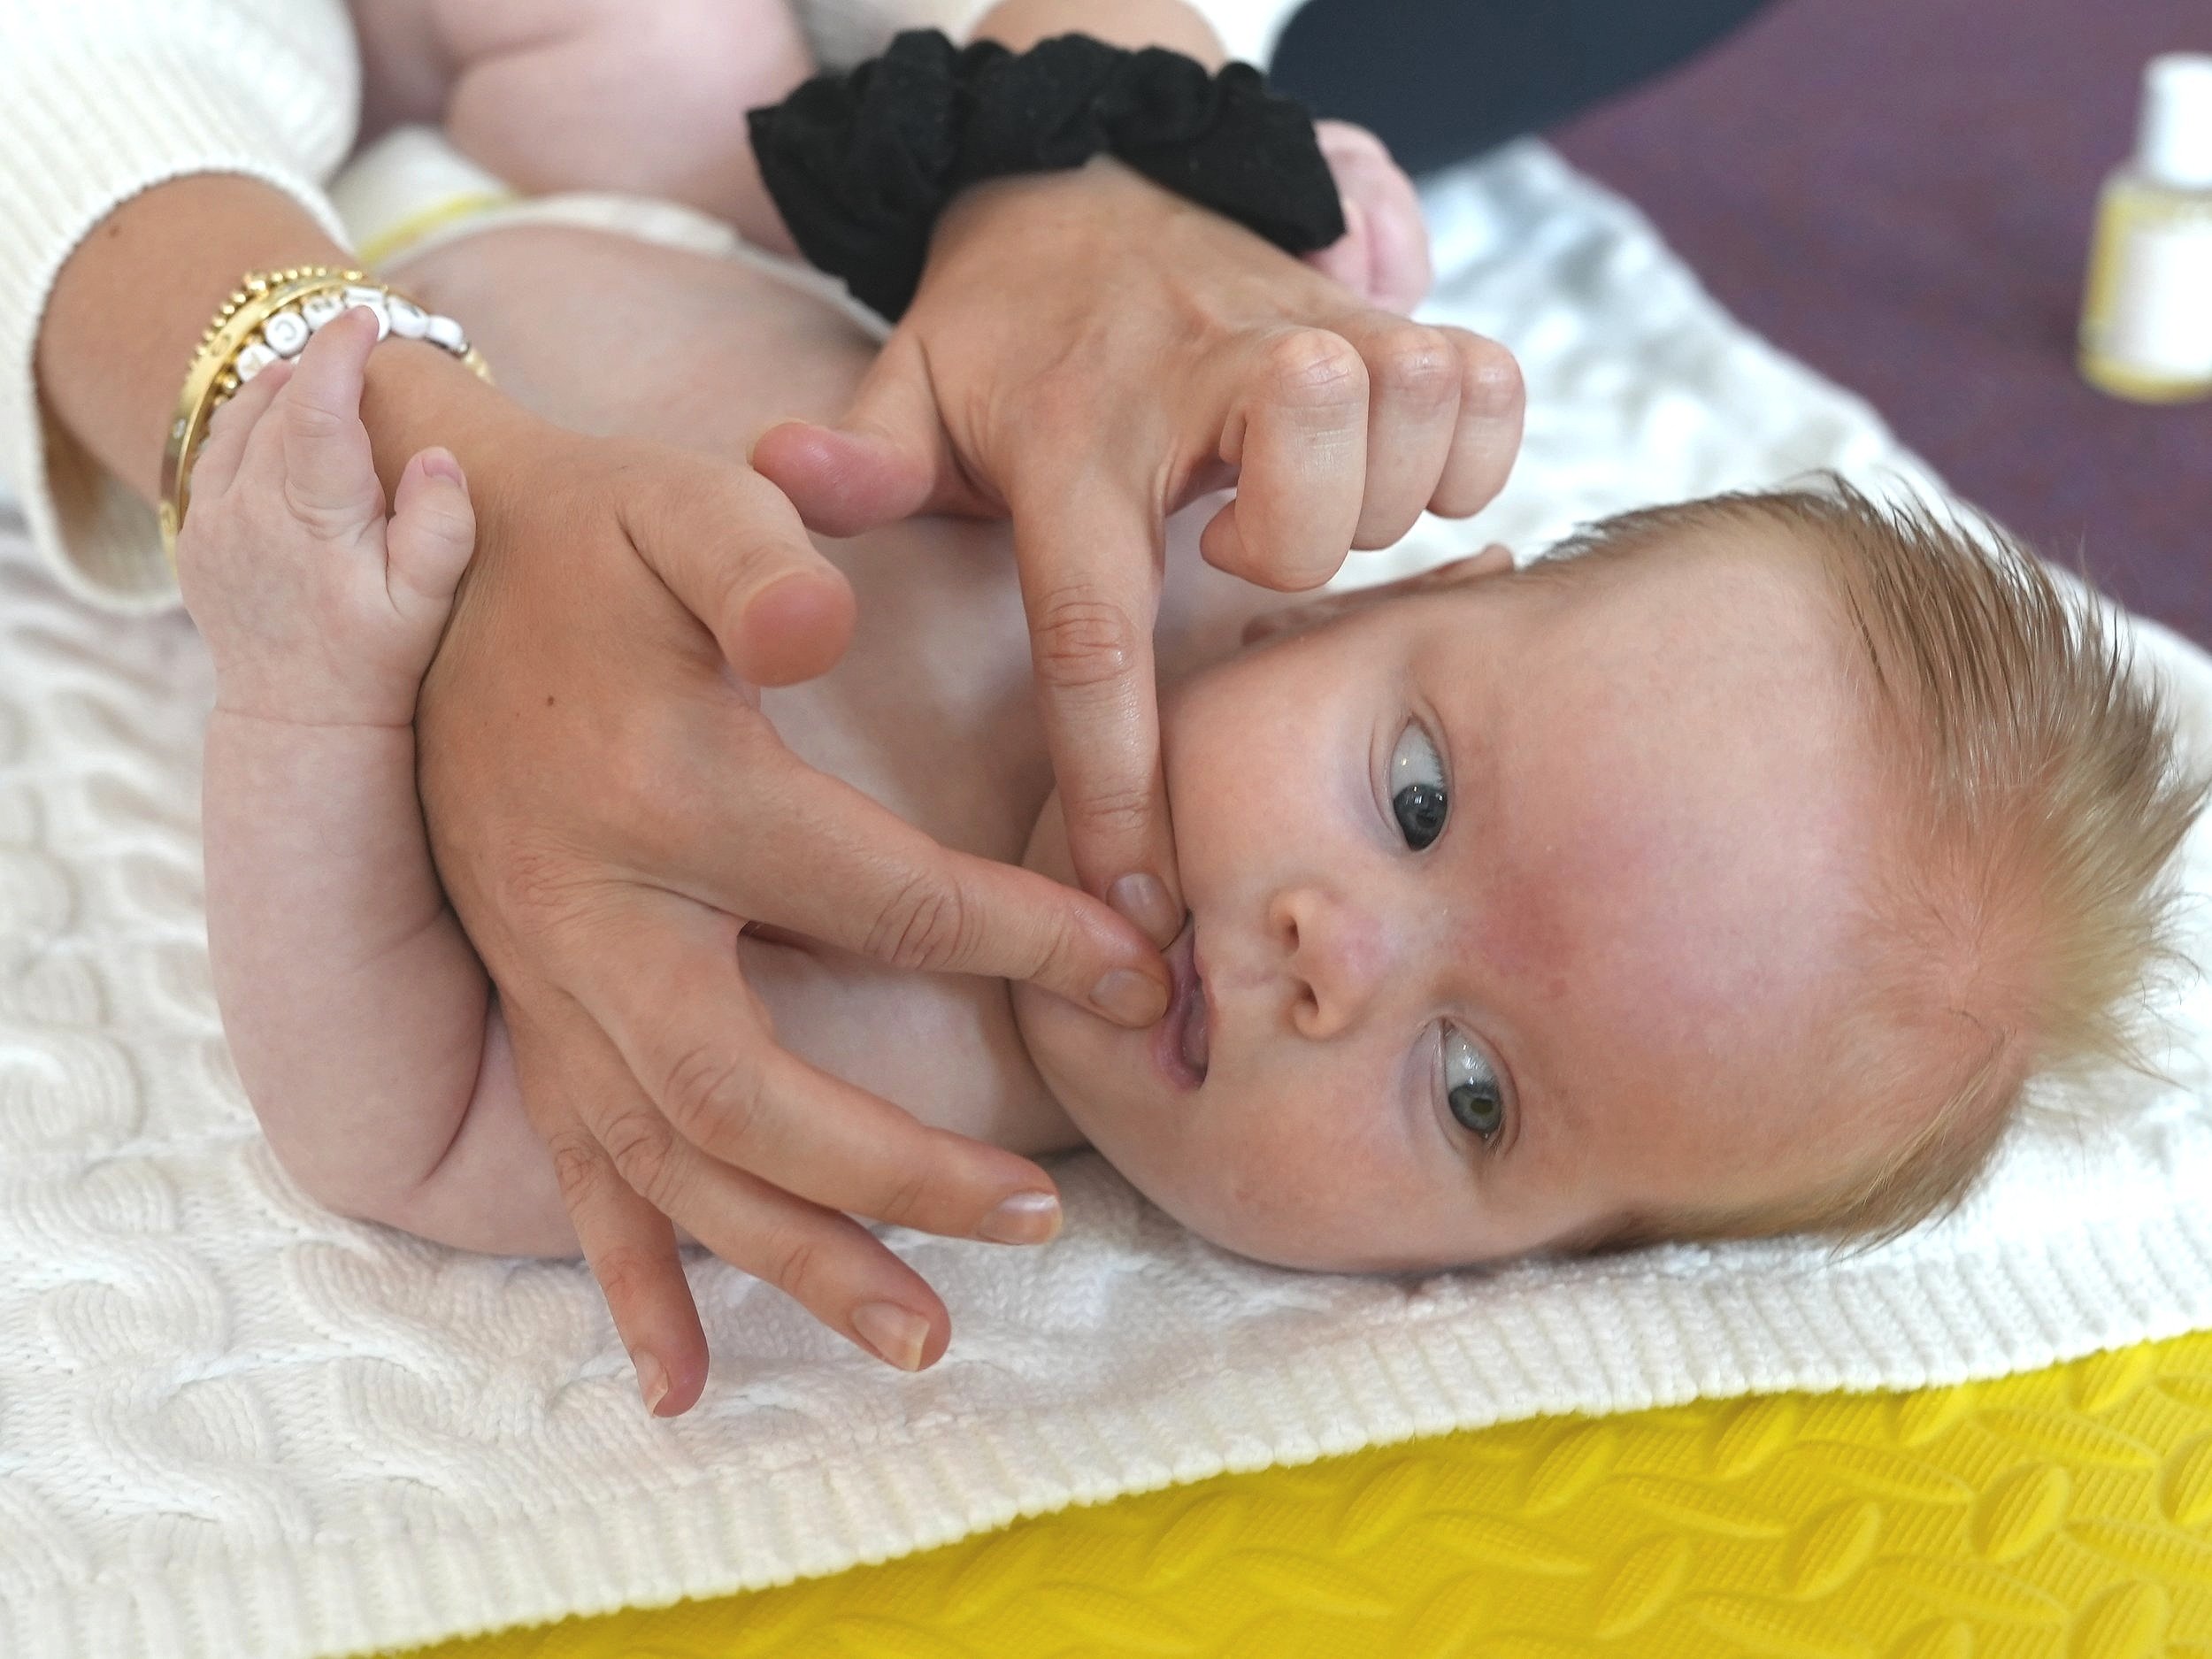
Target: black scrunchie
x,y
862,164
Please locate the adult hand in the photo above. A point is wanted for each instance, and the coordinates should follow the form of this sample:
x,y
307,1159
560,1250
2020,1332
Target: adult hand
x,y
609,808
1087,352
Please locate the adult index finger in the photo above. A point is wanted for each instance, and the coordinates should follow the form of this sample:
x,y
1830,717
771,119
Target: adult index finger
x,y
1089,543
777,842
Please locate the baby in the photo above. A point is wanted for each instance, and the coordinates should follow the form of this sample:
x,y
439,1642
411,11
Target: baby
x,y
1729,872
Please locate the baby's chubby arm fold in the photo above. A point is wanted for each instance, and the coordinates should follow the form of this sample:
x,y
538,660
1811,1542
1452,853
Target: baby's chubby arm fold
x,y
358,1015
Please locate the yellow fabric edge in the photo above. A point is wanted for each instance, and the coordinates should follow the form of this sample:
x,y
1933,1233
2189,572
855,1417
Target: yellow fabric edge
x,y
394,240
2065,1512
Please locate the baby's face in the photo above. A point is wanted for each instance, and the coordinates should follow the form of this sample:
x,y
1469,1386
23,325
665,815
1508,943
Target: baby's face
x,y
1514,907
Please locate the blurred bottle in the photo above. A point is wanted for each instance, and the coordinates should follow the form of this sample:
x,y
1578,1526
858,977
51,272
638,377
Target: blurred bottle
x,y
2147,318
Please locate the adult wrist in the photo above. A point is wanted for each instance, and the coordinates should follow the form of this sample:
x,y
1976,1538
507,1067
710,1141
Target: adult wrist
x,y
1018,25
268,318
414,396
863,165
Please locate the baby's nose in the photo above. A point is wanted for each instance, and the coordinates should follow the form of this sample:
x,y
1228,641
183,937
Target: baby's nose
x,y
1338,954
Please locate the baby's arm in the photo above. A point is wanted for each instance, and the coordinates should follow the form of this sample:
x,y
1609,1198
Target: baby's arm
x,y
358,1015
645,97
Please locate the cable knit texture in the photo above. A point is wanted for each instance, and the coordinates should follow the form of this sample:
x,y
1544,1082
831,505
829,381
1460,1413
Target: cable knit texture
x,y
231,1424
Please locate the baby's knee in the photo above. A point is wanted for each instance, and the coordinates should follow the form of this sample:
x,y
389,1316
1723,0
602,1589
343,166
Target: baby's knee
x,y
344,1188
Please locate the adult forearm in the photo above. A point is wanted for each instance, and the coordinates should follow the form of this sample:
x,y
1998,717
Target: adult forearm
x,y
128,309
1169,23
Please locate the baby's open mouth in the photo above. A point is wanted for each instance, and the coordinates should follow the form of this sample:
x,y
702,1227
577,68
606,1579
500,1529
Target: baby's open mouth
x,y
1179,1042
1190,1000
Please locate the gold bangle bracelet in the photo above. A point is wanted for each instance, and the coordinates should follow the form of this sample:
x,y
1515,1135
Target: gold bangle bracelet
x,y
270,317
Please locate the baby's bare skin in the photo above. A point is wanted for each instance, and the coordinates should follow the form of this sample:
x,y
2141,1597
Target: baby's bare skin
x,y
645,97
930,713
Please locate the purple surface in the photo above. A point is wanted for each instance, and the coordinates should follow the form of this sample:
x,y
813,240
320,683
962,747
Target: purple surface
x,y
1901,192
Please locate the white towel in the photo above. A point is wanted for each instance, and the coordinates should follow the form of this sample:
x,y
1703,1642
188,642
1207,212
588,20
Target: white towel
x,y
232,1425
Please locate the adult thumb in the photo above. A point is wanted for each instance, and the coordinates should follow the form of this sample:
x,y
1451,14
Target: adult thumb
x,y
736,557
887,460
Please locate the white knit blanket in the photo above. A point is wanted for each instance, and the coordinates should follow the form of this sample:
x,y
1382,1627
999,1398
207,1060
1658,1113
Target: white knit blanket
x,y
232,1425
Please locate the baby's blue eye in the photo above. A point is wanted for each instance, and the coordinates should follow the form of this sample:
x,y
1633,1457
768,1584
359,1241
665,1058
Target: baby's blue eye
x,y
1471,1089
1418,796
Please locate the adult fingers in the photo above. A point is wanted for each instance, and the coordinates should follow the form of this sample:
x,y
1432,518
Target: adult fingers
x,y
1413,375
1089,542
1486,435
225,447
664,984
629,1244
626,1174
734,554
887,460
1297,432
329,474
827,1262
866,880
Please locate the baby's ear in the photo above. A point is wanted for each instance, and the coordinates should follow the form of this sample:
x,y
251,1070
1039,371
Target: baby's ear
x,y
1491,561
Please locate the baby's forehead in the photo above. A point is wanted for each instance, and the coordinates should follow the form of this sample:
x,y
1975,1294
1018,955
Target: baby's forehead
x,y
1687,812
1714,616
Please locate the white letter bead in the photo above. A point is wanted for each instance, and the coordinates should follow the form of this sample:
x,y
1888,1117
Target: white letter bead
x,y
373,302
408,320
319,309
443,331
285,332
251,361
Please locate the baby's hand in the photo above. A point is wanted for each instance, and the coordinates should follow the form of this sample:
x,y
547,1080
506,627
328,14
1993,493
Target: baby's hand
x,y
318,609
1383,256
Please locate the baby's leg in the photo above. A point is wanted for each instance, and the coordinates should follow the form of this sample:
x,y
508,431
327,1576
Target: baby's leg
x,y
643,96
356,1010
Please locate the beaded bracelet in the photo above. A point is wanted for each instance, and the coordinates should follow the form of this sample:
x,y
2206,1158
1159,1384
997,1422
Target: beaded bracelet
x,y
270,317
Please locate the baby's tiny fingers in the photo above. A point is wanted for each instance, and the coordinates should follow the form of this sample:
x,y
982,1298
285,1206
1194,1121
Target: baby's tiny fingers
x,y
432,533
329,472
225,447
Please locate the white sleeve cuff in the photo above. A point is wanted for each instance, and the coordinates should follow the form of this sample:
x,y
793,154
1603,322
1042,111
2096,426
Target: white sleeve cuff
x,y
103,101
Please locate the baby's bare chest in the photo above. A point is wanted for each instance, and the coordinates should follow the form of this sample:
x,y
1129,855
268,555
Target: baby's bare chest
x,y
929,712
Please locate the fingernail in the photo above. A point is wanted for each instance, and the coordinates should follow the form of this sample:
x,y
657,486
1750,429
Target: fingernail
x,y
895,1334
1127,997
1144,901
441,464
1024,1218
652,1381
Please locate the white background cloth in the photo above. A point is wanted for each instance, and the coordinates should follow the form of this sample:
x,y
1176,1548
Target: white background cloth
x,y
230,1424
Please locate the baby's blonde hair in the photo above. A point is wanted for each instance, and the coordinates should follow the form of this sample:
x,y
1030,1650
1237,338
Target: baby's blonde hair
x,y
2040,799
